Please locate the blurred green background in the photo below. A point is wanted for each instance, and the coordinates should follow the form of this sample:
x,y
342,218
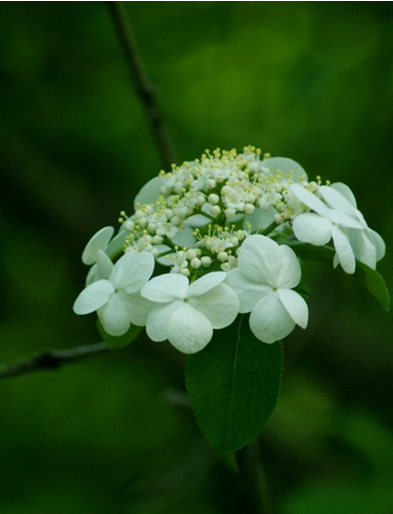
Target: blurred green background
x,y
308,80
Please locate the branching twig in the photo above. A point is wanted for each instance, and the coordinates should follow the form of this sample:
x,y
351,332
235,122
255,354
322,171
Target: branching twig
x,y
144,88
50,359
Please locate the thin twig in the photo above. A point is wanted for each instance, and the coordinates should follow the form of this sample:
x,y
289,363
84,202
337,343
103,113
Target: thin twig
x,y
51,359
251,483
143,86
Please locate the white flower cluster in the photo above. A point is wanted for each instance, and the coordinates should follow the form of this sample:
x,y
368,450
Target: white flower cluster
x,y
208,232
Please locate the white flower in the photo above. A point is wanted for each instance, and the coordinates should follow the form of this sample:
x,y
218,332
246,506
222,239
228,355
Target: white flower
x,y
263,281
325,224
185,313
98,250
116,298
368,245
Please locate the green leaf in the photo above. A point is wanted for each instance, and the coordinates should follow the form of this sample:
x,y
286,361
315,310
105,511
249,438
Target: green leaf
x,y
366,276
118,342
233,385
374,283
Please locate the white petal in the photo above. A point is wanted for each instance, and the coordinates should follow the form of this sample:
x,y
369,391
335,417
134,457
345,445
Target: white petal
x,y
132,271
99,241
259,219
248,291
345,191
184,237
198,220
270,321
93,297
285,165
205,283
335,199
312,228
137,307
116,244
379,243
220,305
150,192
167,260
158,318
189,330
310,200
346,220
344,251
295,305
93,275
114,316
104,264
289,272
258,259
166,288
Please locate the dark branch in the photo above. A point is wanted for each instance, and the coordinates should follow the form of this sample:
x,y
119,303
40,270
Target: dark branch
x,y
143,86
51,359
251,483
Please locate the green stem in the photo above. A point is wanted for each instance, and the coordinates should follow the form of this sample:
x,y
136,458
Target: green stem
x,y
269,229
143,86
251,484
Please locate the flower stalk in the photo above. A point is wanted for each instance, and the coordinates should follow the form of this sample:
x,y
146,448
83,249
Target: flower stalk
x,y
252,488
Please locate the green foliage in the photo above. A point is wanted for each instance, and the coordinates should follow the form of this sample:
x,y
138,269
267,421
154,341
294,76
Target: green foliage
x,y
233,385
369,278
373,281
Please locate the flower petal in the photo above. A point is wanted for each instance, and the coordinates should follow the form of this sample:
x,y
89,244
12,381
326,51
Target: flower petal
x,y
336,199
189,330
344,250
104,264
285,165
258,259
345,191
289,272
205,283
184,237
270,321
137,307
248,291
295,305
99,241
379,244
259,219
93,297
312,228
114,316
158,318
166,288
220,305
132,271
197,220
116,244
310,200
347,220
150,192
